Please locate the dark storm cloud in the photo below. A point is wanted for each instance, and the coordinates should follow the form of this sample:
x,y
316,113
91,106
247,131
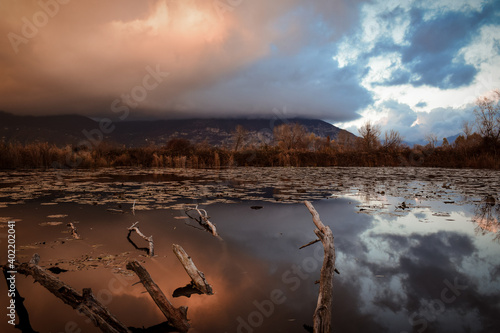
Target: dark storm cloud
x,y
432,55
248,60
428,264
256,57
306,83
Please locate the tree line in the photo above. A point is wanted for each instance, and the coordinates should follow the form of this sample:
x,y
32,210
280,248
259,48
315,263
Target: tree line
x,y
290,145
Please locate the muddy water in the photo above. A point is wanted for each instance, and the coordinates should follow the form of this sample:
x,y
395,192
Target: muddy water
x,y
417,249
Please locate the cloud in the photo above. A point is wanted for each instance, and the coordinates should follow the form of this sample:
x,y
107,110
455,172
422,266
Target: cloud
x,y
433,49
308,83
334,60
424,41
415,125
232,60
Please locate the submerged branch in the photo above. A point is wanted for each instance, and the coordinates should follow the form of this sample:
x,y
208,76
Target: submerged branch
x,y
148,239
74,232
85,303
197,277
202,219
176,317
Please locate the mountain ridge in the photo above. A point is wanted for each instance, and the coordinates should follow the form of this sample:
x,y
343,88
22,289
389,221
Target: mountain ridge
x,y
76,129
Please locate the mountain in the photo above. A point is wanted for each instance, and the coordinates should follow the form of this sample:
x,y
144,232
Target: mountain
x,y
74,129
451,139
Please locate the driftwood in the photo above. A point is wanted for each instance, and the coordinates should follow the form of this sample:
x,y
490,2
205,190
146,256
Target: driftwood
x,y
202,220
323,313
86,303
74,232
197,277
148,239
176,317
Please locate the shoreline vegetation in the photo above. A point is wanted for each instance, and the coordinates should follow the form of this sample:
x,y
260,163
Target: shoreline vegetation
x,y
291,145
471,151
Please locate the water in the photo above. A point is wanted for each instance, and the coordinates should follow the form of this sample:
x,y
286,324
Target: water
x,y
431,264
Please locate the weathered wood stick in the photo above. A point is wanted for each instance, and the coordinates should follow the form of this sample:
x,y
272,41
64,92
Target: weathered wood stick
x,y
148,239
314,242
203,220
323,313
85,303
194,273
310,243
177,317
74,232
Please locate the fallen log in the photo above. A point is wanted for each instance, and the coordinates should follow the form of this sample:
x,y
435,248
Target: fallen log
x,y
323,313
148,239
176,317
197,277
202,220
85,303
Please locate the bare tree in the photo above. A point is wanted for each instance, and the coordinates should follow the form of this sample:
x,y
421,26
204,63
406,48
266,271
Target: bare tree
x,y
369,136
488,118
345,140
467,128
392,140
239,137
432,140
290,136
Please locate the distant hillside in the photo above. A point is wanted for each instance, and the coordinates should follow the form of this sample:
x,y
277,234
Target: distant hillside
x,y
71,129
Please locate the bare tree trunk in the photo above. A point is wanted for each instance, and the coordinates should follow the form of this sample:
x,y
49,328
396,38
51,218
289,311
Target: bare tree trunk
x,y
196,275
323,313
177,317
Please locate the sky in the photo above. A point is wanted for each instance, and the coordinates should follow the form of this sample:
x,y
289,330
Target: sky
x,y
413,66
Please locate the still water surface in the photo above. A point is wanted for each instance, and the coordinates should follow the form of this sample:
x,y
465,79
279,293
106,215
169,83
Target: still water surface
x,y
431,264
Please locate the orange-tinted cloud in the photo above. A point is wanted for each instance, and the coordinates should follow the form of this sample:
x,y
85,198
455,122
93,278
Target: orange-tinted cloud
x,y
89,53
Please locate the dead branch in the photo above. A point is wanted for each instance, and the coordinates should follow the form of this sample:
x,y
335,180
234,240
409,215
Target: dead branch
x,y
310,243
74,232
85,302
177,317
197,277
202,220
323,313
148,239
